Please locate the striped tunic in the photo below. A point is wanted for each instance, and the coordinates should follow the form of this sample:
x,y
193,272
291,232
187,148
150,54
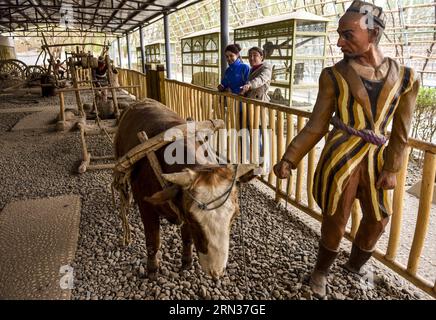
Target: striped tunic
x,y
343,153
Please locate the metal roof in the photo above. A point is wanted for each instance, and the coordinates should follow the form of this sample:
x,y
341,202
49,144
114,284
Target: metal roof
x,y
204,32
296,15
114,17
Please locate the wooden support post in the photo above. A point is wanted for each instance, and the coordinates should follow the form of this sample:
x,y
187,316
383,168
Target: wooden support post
x,y
266,141
245,135
397,211
76,86
300,168
256,135
425,201
86,155
112,84
60,126
289,136
273,141
280,149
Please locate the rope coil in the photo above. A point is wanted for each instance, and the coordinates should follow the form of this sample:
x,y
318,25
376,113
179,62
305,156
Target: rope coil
x,y
367,135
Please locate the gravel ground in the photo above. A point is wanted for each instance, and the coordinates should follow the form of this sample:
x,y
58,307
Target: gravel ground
x,y
271,251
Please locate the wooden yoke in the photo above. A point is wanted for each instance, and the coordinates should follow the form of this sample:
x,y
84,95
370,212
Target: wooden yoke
x,y
157,169
137,153
122,169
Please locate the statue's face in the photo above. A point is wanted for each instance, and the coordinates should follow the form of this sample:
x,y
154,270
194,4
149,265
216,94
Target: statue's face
x,y
354,37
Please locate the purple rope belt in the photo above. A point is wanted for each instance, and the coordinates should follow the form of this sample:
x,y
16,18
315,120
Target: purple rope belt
x,y
367,135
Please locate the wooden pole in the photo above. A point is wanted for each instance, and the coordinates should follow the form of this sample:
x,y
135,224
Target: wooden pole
x,y
425,201
113,90
273,157
397,210
280,148
300,168
76,86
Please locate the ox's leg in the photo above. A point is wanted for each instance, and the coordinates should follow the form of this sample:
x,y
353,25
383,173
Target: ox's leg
x,y
150,219
187,247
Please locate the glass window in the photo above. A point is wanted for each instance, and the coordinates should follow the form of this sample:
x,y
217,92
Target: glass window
x,y
307,72
309,46
304,97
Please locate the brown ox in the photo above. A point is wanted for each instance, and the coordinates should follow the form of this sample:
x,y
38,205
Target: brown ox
x,y
208,228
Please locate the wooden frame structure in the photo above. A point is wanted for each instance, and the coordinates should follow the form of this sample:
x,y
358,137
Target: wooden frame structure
x,y
116,18
201,58
87,128
295,45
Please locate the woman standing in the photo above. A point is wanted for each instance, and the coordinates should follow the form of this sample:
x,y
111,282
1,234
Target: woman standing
x,y
236,74
259,78
257,87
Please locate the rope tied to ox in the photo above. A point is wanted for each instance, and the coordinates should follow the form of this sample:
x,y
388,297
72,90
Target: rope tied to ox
x,y
121,183
367,135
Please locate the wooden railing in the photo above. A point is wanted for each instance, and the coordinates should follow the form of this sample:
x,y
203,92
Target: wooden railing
x,y
128,77
284,123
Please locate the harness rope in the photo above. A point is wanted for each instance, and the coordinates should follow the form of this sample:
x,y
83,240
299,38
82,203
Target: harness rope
x,y
367,135
204,206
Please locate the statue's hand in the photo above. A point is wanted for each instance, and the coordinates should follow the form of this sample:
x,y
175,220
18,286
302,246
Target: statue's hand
x,y
282,169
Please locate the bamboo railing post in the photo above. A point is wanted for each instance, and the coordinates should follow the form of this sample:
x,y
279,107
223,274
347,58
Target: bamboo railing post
x,y
289,136
425,200
300,168
250,114
256,135
266,140
232,135
228,114
397,210
273,148
237,128
280,149
245,136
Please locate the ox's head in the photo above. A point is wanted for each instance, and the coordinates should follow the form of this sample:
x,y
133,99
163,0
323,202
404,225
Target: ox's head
x,y
210,205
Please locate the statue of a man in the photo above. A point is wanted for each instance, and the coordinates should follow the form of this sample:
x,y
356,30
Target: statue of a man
x,y
360,96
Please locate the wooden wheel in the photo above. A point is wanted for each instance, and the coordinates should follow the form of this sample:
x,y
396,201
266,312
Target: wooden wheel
x,y
34,72
12,73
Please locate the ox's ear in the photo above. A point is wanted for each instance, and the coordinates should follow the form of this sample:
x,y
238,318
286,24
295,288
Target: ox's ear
x,y
163,196
247,172
183,179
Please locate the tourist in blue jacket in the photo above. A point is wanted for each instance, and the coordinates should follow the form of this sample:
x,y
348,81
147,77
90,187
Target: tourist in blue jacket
x,y
236,74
